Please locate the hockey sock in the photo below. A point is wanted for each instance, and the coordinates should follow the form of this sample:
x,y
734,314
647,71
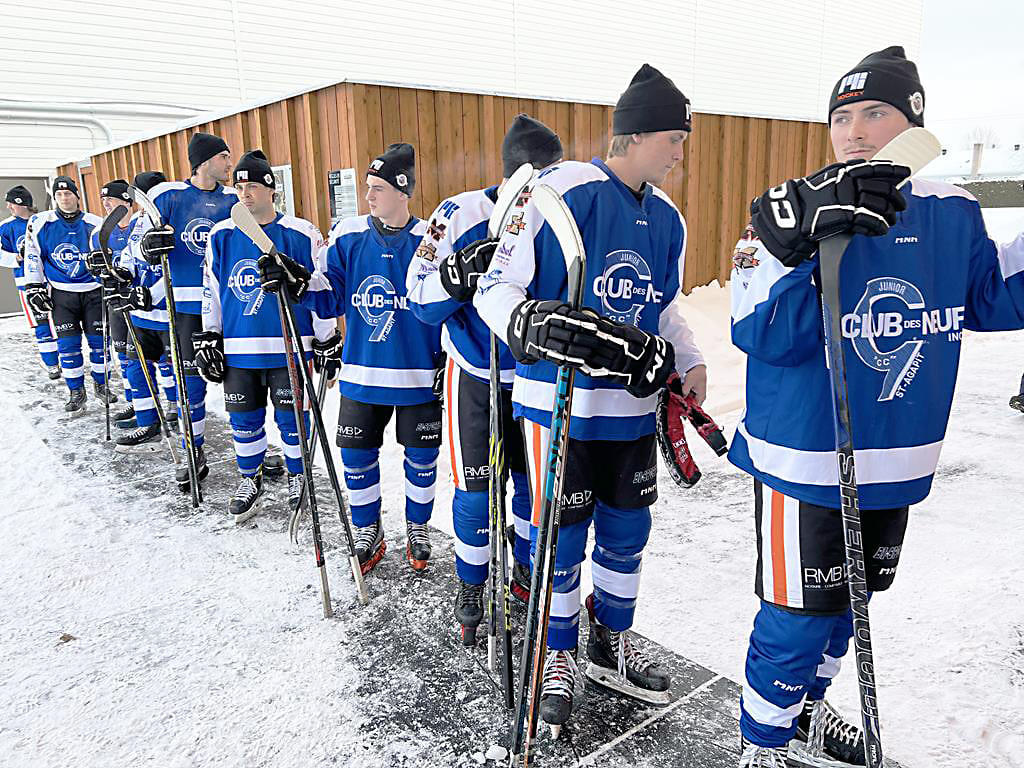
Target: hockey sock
x,y
71,361
362,478
250,439
472,551
620,536
286,425
521,517
47,344
563,628
123,360
196,388
165,380
142,399
95,356
782,661
420,482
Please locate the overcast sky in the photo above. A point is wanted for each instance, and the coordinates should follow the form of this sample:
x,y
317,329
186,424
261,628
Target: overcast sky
x,y
972,67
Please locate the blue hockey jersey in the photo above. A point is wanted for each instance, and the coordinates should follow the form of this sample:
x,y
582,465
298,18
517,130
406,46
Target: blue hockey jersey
x,y
192,212
12,238
56,249
389,356
149,275
457,222
635,258
235,306
906,299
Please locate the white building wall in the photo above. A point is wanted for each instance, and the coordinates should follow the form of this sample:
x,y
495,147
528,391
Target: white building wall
x,y
729,56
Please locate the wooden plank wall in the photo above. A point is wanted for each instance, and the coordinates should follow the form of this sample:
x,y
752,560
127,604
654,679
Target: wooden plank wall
x,y
458,136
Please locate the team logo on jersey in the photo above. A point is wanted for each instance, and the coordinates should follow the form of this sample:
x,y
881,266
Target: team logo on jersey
x,y
745,258
69,259
244,282
377,301
436,230
625,286
889,327
426,251
196,234
20,244
515,224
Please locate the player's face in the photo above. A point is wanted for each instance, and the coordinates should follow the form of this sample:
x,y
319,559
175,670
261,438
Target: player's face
x,y
110,203
66,200
859,130
657,153
257,198
384,200
219,167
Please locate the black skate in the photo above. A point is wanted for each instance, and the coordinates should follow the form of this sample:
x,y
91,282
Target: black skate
x,y
370,545
469,610
125,418
417,545
561,689
246,501
75,405
824,738
53,372
519,586
140,440
754,756
273,465
202,470
619,664
1016,402
295,483
171,415
103,393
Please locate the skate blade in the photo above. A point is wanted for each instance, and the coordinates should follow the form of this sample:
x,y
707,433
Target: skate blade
x,y
417,565
610,679
555,730
247,515
377,557
140,449
801,757
468,636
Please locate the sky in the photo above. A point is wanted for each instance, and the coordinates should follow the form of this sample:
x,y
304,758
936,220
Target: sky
x,y
972,67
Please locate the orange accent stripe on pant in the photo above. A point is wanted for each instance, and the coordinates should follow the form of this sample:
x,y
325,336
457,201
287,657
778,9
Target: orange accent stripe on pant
x,y
451,417
538,489
779,547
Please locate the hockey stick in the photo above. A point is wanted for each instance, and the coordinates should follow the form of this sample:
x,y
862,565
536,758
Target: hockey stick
x,y
244,220
106,228
558,216
296,516
118,215
508,200
184,406
913,148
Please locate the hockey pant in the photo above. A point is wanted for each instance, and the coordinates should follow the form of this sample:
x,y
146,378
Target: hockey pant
x,y
44,335
468,400
73,314
158,362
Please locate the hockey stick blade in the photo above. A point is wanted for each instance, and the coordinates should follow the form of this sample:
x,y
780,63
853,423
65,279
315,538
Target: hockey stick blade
x,y
558,216
107,228
914,149
507,199
144,202
243,219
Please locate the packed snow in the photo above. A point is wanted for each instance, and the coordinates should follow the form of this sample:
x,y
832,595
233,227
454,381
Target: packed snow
x,y
136,636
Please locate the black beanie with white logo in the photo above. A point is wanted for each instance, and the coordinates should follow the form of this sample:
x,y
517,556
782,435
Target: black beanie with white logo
x,y
887,76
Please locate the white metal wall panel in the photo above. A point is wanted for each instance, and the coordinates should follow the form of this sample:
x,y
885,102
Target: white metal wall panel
x,y
729,56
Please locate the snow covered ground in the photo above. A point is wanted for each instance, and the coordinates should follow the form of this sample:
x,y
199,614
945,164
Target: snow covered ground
x,y
196,644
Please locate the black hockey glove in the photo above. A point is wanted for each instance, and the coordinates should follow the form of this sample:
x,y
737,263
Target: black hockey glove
x,y
157,243
644,361
551,330
96,263
327,356
859,197
130,297
438,386
209,355
461,270
37,296
276,269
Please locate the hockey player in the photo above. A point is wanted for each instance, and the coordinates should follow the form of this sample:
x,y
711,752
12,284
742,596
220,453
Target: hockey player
x,y
113,194
12,256
391,359
627,342
441,282
241,344
57,281
927,271
146,289
189,210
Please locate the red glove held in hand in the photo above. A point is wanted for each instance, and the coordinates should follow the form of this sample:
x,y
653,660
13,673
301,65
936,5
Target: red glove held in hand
x,y
673,410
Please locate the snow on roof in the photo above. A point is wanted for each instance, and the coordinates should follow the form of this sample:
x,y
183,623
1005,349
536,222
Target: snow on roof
x,y
997,163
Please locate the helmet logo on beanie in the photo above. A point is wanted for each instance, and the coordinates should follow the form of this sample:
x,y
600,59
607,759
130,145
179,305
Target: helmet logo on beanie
x,y
17,201
853,82
268,178
377,164
916,102
402,180
242,175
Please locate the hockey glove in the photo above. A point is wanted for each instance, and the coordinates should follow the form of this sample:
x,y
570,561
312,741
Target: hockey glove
x,y
438,386
675,451
859,197
276,269
704,424
37,296
644,361
327,356
209,355
96,263
553,331
130,297
157,243
461,270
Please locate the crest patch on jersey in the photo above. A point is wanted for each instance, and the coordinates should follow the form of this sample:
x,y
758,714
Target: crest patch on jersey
x,y
436,230
426,251
515,224
745,258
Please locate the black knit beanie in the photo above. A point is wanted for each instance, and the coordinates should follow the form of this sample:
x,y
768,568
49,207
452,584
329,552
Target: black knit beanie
x,y
397,166
203,146
254,166
887,76
651,103
529,141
